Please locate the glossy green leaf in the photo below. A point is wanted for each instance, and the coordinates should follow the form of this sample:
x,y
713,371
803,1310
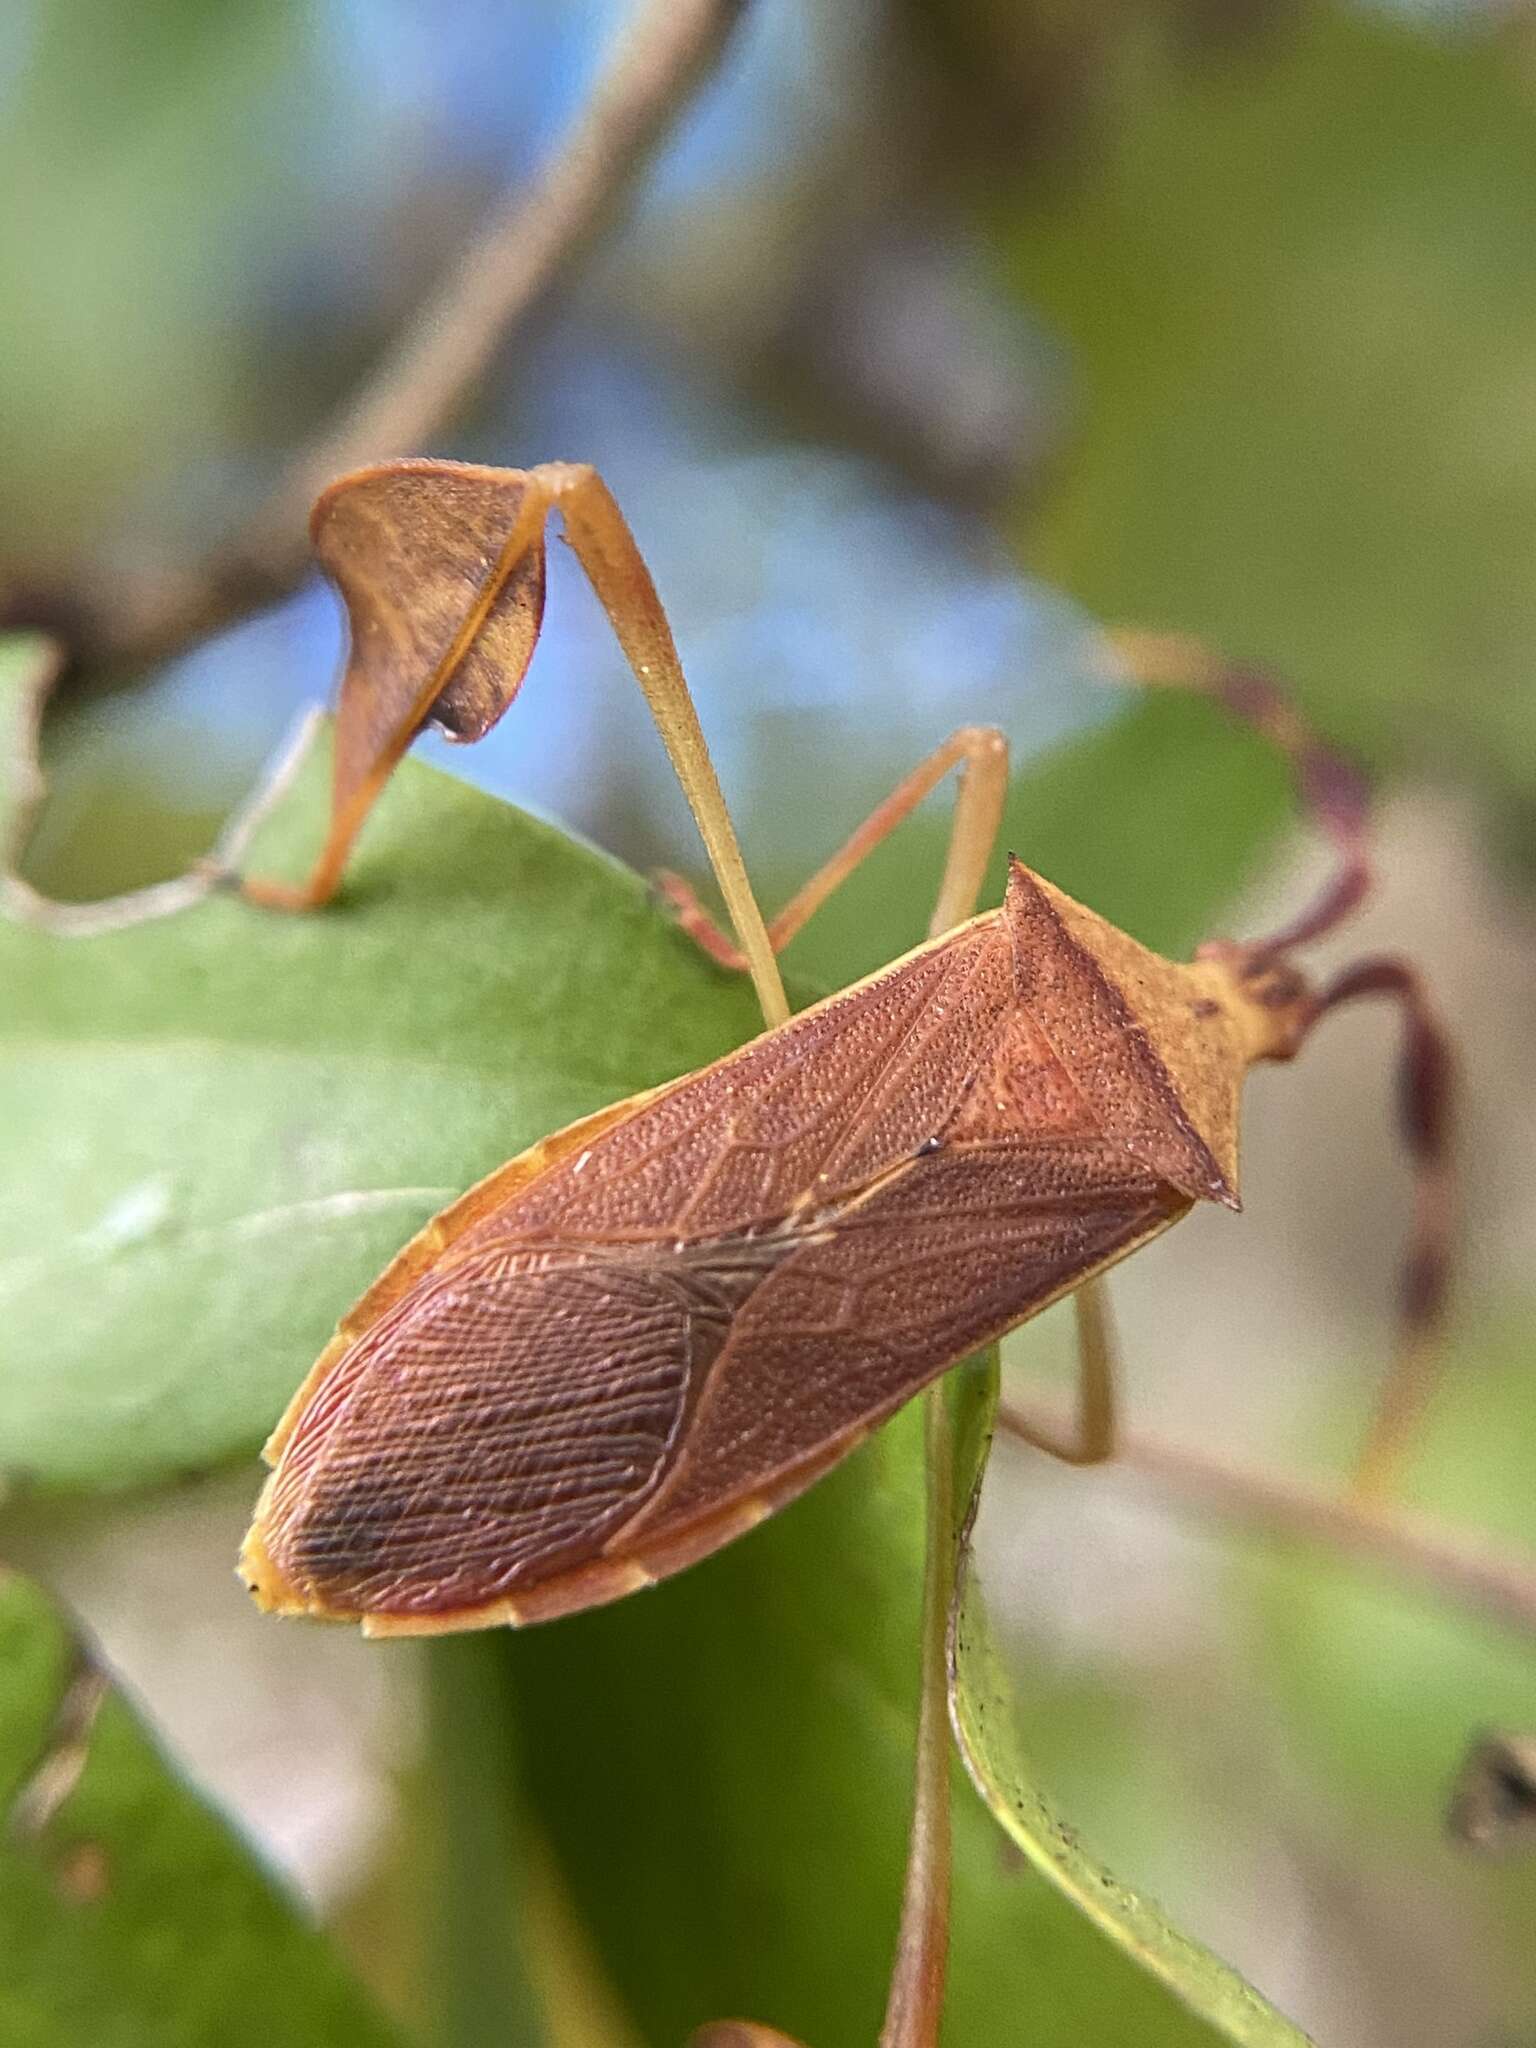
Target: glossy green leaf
x,y
219,1126
130,1915
228,1120
733,1751
1295,285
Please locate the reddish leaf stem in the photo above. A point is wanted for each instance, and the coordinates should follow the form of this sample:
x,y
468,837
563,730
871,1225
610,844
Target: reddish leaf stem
x,y
915,2004
1468,1571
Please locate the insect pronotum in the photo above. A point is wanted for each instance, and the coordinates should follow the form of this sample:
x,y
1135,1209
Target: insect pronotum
x,y
654,1328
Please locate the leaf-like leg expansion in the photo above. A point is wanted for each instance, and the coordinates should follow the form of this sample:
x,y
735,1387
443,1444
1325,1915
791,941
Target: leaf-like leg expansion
x,y
441,566
1425,1087
427,601
1092,1441
982,754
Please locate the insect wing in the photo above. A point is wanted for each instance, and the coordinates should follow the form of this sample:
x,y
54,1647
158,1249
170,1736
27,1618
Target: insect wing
x,y
491,1429
939,1259
677,1318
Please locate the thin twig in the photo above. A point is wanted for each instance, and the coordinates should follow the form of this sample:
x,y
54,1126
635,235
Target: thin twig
x,y
1470,1572
915,2002
66,1750
526,246
501,280
23,789
21,768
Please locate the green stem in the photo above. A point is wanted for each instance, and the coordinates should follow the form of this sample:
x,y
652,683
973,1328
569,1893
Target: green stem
x,y
479,1987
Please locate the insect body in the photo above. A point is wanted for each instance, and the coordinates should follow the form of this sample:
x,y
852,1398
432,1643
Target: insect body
x,y
651,1330
639,1338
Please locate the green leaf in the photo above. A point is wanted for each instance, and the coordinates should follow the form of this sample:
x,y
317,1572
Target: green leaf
x,y
1295,286
1381,1685
221,1125
731,1755
224,1123
130,1915
987,1731
484,1936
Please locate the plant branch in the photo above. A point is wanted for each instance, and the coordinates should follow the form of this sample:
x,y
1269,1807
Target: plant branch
x,y
500,281
915,2002
480,1983
1469,1572
528,244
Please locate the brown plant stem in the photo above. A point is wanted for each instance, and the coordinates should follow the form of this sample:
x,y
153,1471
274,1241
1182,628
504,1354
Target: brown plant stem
x,y
503,277
914,2009
1469,1572
915,2003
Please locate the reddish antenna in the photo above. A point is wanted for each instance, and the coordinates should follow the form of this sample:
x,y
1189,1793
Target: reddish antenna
x,y
1336,798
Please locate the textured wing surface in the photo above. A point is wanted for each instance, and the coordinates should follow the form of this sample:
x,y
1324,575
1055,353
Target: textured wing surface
x,y
494,1427
819,1107
1008,1030
719,1293
941,1259
527,1412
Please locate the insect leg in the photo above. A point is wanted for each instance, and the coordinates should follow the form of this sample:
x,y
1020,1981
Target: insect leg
x,y
1425,1087
1092,1440
982,754
1332,789
614,566
372,529
375,723
1336,797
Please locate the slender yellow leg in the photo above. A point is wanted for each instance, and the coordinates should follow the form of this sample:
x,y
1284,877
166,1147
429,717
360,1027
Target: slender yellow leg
x,y
981,752
605,547
1093,1439
373,733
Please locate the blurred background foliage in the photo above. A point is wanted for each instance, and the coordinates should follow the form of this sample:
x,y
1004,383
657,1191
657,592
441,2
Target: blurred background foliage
x,y
936,333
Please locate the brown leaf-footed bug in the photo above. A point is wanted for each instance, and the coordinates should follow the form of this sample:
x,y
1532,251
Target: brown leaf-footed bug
x,y
654,1328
